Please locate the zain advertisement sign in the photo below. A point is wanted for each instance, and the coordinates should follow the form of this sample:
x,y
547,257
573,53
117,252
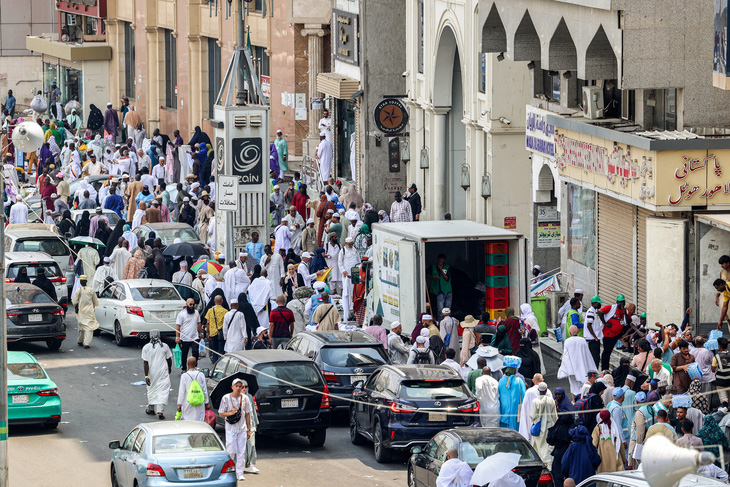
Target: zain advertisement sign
x,y
248,159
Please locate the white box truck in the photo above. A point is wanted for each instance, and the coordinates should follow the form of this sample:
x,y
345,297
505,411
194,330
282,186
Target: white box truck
x,y
403,254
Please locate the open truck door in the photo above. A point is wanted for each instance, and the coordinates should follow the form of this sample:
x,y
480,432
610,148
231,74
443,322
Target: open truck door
x,y
410,285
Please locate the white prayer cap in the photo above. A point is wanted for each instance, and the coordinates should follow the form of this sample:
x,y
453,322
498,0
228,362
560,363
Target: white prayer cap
x,y
318,285
162,158
537,267
330,211
186,199
276,186
260,330
578,291
234,301
631,378
542,387
335,215
245,254
310,220
221,256
323,134
183,263
306,255
18,198
446,311
195,185
426,317
425,332
109,104
242,254
349,240
421,339
279,131
107,259
394,325
342,211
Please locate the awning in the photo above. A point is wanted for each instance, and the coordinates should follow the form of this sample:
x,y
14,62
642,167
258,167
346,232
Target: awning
x,y
337,85
719,220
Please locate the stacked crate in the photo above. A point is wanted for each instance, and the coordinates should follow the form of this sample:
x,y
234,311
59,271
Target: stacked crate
x,y
497,277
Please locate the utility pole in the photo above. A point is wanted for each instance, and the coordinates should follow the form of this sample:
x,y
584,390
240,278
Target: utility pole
x,y
3,361
240,93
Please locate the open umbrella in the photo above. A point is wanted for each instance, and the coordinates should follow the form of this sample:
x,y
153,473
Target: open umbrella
x,y
87,241
224,387
185,248
208,266
494,467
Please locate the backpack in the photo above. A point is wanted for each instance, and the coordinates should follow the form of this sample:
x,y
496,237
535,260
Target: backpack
x,y
583,404
422,357
195,396
437,346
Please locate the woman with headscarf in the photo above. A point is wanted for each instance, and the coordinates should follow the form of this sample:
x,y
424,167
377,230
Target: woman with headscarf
x,y
249,314
22,276
383,217
45,157
511,394
291,258
318,262
170,164
103,233
112,241
83,225
274,161
699,401
149,271
642,360
558,436
712,434
562,403
134,265
299,200
607,440
501,341
256,272
620,373
129,236
530,360
594,403
581,459
208,166
607,395
512,324
292,281
199,137
67,225
201,156
95,121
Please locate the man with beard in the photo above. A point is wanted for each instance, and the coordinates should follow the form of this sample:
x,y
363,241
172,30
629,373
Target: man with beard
x,y
400,210
188,329
45,284
273,264
187,213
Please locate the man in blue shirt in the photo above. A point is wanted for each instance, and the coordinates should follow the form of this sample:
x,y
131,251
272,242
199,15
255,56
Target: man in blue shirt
x,y
255,248
10,104
114,202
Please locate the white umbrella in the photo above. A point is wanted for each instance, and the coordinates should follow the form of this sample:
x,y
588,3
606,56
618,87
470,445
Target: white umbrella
x,y
494,467
494,359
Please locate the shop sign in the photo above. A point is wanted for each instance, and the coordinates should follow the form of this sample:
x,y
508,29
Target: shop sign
x,y
510,222
539,134
266,86
394,154
698,190
548,235
227,196
547,213
391,116
345,34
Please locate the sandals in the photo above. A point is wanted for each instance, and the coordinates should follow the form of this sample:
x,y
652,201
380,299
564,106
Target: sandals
x,y
150,411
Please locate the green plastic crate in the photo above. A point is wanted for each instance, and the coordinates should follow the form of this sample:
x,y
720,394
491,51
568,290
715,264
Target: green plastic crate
x,y
497,259
497,281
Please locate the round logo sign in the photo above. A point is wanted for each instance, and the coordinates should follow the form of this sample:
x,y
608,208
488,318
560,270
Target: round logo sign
x,y
391,116
220,155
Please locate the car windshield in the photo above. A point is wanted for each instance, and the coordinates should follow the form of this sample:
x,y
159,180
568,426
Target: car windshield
x,y
434,390
168,235
473,452
26,295
51,246
186,443
28,370
51,268
301,374
354,356
155,293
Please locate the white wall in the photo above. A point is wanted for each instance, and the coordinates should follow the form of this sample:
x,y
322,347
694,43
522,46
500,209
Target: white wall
x,y
96,88
23,75
714,242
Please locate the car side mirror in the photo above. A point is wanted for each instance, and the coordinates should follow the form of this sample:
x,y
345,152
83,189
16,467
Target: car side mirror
x,y
206,372
358,385
416,450
113,445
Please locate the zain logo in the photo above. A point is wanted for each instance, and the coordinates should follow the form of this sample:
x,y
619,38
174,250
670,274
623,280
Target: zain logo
x,y
220,153
248,160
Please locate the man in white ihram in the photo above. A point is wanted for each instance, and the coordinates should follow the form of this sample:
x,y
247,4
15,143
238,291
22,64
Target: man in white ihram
x,y
577,361
324,157
454,472
261,292
190,412
234,328
530,395
102,274
348,258
18,212
157,359
486,389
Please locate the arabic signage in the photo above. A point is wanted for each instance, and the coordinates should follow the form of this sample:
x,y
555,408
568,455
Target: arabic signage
x,y
539,134
227,193
345,35
548,235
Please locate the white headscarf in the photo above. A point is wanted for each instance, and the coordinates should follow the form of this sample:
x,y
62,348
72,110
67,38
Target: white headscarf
x,y
526,312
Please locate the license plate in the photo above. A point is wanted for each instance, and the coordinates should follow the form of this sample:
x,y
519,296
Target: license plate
x,y
164,314
193,473
437,417
20,399
356,378
35,318
290,403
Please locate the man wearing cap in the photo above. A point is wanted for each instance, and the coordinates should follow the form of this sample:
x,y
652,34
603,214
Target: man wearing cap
x,y
303,270
542,410
237,402
63,189
282,236
348,259
86,301
278,203
234,329
397,350
613,318
593,329
574,317
183,276
93,167
563,312
324,154
18,212
187,213
536,273
261,341
104,276
295,220
618,414
414,201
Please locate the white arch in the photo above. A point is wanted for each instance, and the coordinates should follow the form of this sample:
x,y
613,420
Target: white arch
x,y
447,46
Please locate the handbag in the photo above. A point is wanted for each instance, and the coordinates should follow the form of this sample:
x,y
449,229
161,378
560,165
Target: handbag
x,y
535,428
447,340
235,418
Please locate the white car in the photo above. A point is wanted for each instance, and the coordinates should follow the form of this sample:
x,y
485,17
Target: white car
x,y
35,237
33,261
635,478
109,214
132,308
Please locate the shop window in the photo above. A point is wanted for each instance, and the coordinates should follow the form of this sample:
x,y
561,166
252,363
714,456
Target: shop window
x,y
214,73
664,107
420,36
258,5
551,85
261,61
482,73
71,85
170,70
129,60
581,227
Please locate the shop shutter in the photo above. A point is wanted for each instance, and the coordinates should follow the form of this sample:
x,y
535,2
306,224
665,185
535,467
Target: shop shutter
x,y
616,221
642,215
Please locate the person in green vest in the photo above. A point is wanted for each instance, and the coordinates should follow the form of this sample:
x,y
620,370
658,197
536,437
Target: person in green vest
x,y
573,317
281,149
440,284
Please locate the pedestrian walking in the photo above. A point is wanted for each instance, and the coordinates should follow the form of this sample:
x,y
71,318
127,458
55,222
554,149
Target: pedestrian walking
x,y
187,331
542,413
486,390
511,393
157,360
581,459
192,399
576,362
236,408
86,301
215,317
396,348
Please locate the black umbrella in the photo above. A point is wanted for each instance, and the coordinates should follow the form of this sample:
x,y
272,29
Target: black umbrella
x,y
185,248
225,386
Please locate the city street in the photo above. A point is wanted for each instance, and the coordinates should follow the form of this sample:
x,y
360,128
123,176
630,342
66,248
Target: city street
x,y
101,405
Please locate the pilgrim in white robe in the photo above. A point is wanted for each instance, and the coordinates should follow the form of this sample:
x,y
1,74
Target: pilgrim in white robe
x,y
487,391
192,413
119,259
576,363
530,395
261,293
234,331
324,156
156,356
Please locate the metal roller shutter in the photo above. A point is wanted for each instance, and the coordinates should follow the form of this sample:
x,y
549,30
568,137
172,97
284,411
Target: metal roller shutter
x,y
616,222
642,215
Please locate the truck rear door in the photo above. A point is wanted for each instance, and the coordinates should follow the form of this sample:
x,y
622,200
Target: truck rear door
x,y
410,282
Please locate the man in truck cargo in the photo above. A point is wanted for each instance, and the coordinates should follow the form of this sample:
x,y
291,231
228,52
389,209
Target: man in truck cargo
x,y
440,284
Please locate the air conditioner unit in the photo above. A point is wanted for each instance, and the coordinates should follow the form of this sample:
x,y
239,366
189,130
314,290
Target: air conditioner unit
x,y
593,102
70,20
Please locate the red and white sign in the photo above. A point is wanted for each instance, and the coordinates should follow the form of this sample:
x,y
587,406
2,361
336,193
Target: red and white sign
x,y
266,86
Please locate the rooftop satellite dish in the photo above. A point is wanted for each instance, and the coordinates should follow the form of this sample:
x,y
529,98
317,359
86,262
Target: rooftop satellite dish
x,y
665,463
28,137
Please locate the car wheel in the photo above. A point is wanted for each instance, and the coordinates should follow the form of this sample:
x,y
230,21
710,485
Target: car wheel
x,y
411,477
51,425
317,438
54,344
118,336
355,437
382,454
115,481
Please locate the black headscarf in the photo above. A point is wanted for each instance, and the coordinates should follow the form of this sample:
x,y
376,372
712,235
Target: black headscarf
x,y
82,227
594,403
256,272
150,239
291,258
67,223
45,284
22,275
150,269
619,373
211,302
530,359
318,263
96,118
207,167
111,243
249,315
102,233
198,137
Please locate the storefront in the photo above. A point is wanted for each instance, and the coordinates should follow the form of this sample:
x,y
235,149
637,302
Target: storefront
x,y
68,76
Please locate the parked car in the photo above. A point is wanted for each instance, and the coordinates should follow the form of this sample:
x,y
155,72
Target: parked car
x,y
96,181
32,395
171,453
292,395
32,316
168,232
635,478
134,307
36,239
474,445
406,405
34,261
344,357
109,214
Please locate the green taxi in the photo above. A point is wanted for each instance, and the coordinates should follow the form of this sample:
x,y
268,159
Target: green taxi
x,y
32,396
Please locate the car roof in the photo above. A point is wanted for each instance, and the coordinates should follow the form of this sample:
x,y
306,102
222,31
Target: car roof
x,y
268,356
484,433
176,427
165,225
29,257
342,337
146,282
416,372
31,232
636,477
20,357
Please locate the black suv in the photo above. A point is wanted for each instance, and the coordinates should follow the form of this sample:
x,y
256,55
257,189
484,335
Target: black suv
x,y
292,395
401,406
344,357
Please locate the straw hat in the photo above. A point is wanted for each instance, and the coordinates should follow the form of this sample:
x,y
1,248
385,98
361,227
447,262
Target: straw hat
x,y
469,322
